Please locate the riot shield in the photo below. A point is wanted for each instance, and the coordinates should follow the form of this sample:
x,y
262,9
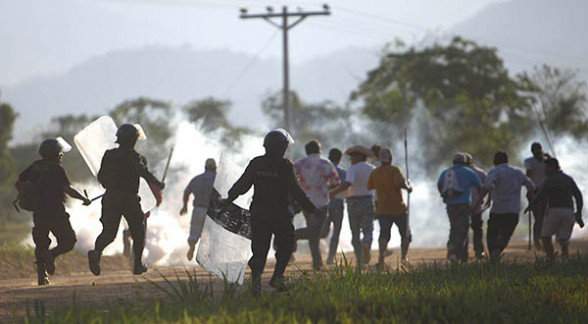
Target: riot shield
x,y
224,247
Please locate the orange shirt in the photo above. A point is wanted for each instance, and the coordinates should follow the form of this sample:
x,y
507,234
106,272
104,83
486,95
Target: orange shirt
x,y
387,181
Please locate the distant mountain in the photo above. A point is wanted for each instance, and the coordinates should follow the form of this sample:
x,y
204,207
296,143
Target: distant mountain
x,y
533,32
179,75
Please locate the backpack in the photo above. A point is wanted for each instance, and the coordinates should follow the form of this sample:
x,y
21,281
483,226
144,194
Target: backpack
x,y
451,187
28,190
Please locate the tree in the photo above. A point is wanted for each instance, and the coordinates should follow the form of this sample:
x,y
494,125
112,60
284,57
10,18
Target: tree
x,y
562,102
325,121
8,170
211,115
460,95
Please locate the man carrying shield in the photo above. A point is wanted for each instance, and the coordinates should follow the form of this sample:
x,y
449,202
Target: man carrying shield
x,y
120,171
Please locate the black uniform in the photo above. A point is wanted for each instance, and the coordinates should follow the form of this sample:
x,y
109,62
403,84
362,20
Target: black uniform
x,y
119,173
50,216
274,182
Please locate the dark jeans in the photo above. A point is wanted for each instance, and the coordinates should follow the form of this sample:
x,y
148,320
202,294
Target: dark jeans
x,y
312,233
335,216
476,225
459,220
500,229
263,225
539,212
386,222
56,223
114,207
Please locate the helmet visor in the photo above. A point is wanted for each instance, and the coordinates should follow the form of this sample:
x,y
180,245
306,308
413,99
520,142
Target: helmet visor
x,y
140,132
65,147
286,134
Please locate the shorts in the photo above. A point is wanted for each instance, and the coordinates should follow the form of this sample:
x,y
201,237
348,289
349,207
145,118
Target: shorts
x,y
559,221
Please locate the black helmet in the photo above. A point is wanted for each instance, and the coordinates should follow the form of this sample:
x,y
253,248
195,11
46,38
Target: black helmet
x,y
50,148
127,134
277,139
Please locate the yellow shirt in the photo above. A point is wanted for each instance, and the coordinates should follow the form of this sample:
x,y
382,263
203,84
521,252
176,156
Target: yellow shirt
x,y
387,181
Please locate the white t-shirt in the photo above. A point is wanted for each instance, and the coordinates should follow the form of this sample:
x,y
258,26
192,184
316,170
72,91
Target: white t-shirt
x,y
358,175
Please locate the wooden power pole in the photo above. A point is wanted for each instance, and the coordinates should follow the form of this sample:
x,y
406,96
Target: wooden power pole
x,y
285,26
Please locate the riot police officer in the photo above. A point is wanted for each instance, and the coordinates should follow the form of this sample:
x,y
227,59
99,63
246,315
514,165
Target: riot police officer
x,y
273,179
42,188
119,173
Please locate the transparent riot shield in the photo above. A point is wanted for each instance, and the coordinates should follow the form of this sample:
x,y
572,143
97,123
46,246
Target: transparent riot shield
x,y
95,139
224,247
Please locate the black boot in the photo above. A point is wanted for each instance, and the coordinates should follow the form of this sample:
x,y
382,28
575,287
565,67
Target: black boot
x,y
49,261
256,284
42,278
565,251
94,261
279,283
139,267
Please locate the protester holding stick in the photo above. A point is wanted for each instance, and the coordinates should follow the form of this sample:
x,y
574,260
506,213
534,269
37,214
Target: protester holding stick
x,y
536,171
388,181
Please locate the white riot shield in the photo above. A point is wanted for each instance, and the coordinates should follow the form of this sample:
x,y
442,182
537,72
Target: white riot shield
x,y
224,247
94,140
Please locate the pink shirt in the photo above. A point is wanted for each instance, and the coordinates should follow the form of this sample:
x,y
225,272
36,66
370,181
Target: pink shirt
x,y
315,174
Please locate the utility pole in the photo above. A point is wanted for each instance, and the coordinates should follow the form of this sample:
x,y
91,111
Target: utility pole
x,y
285,26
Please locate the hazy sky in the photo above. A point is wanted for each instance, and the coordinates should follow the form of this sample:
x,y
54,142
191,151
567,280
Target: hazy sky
x,y
46,37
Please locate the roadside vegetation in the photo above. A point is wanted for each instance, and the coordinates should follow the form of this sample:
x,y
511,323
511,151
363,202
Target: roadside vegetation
x,y
477,292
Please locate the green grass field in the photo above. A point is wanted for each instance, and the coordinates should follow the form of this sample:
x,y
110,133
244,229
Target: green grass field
x,y
479,292
14,232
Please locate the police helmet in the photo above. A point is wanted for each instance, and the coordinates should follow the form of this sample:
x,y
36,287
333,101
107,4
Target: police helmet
x,y
50,148
277,139
127,133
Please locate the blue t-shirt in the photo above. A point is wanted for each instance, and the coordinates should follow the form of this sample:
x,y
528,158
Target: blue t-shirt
x,y
468,179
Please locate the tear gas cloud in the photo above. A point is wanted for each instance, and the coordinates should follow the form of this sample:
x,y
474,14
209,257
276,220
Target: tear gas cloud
x,y
168,231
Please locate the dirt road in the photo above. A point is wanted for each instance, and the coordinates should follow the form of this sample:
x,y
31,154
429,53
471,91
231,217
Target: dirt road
x,y
120,286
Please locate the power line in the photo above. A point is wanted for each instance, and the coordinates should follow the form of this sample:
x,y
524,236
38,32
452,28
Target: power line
x,y
251,62
285,26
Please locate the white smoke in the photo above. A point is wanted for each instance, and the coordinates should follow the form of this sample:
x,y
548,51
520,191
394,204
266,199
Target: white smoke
x,y
168,231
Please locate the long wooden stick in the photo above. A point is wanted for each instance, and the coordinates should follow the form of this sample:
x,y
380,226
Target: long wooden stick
x,y
406,234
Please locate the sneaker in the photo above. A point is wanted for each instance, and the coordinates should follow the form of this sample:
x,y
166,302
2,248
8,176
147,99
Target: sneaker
x,y
481,255
256,285
139,268
330,261
279,283
94,261
49,261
